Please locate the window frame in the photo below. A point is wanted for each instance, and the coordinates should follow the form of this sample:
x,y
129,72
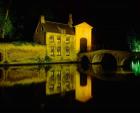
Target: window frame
x,y
59,52
51,38
67,52
67,41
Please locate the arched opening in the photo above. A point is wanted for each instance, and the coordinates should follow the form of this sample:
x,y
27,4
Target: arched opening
x,y
83,45
1,57
109,62
85,63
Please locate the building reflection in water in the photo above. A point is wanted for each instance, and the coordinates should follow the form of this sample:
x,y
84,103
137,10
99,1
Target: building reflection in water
x,y
59,78
83,91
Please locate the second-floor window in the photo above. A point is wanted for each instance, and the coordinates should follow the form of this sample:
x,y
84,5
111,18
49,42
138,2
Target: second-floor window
x,y
67,51
58,51
59,39
67,40
51,38
52,51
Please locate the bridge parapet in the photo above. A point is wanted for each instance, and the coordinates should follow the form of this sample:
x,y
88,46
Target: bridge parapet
x,y
119,56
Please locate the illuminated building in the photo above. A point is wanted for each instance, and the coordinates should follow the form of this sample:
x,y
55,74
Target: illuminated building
x,y
54,42
62,41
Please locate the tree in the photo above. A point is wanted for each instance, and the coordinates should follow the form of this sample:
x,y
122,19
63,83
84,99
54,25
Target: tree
x,y
6,27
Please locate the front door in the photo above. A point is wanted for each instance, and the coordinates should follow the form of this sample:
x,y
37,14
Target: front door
x,y
83,45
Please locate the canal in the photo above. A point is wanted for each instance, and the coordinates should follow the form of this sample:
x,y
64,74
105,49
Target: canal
x,y
68,88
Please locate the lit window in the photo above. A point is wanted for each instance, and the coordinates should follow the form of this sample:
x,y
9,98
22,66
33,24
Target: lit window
x,y
58,51
51,38
67,40
67,51
52,51
59,39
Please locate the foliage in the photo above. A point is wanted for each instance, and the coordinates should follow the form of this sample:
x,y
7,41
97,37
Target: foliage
x,y
6,26
47,58
134,43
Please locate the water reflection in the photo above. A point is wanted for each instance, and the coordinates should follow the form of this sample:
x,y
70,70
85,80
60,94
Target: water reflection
x,y
113,75
60,79
21,75
135,66
83,87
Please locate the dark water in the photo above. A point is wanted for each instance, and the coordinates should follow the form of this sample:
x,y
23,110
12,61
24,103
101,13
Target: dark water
x,y
68,88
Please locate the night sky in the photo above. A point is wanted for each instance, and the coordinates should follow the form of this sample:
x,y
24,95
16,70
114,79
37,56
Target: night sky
x,y
113,21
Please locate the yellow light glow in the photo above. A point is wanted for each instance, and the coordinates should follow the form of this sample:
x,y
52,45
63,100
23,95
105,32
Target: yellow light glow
x,y
83,93
83,30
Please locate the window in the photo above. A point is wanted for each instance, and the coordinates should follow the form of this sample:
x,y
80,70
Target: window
x,y
52,75
59,39
67,51
51,38
67,77
58,51
67,40
52,51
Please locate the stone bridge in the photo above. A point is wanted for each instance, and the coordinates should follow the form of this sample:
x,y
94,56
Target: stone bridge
x,y
100,56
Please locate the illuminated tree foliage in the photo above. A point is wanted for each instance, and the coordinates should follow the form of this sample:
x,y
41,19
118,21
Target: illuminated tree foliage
x,y
6,27
135,65
134,43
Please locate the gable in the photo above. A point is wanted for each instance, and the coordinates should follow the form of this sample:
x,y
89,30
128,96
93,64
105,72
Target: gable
x,y
84,25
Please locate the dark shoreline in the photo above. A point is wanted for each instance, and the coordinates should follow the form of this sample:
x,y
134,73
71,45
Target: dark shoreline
x,y
29,64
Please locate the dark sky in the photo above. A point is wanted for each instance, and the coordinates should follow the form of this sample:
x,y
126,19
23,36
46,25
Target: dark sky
x,y
112,20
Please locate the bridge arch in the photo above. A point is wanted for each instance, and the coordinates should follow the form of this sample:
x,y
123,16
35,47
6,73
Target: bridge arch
x,y
97,58
126,61
85,62
108,61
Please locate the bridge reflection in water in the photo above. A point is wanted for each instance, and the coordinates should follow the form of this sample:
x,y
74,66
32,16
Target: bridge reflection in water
x,y
59,79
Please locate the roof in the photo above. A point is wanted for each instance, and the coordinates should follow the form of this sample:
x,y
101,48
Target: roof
x,y
58,28
84,24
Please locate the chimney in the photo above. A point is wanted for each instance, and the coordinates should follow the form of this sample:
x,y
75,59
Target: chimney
x,y
70,22
42,19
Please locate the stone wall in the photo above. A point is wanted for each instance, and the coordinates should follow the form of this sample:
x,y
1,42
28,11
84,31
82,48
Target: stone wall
x,y
22,53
